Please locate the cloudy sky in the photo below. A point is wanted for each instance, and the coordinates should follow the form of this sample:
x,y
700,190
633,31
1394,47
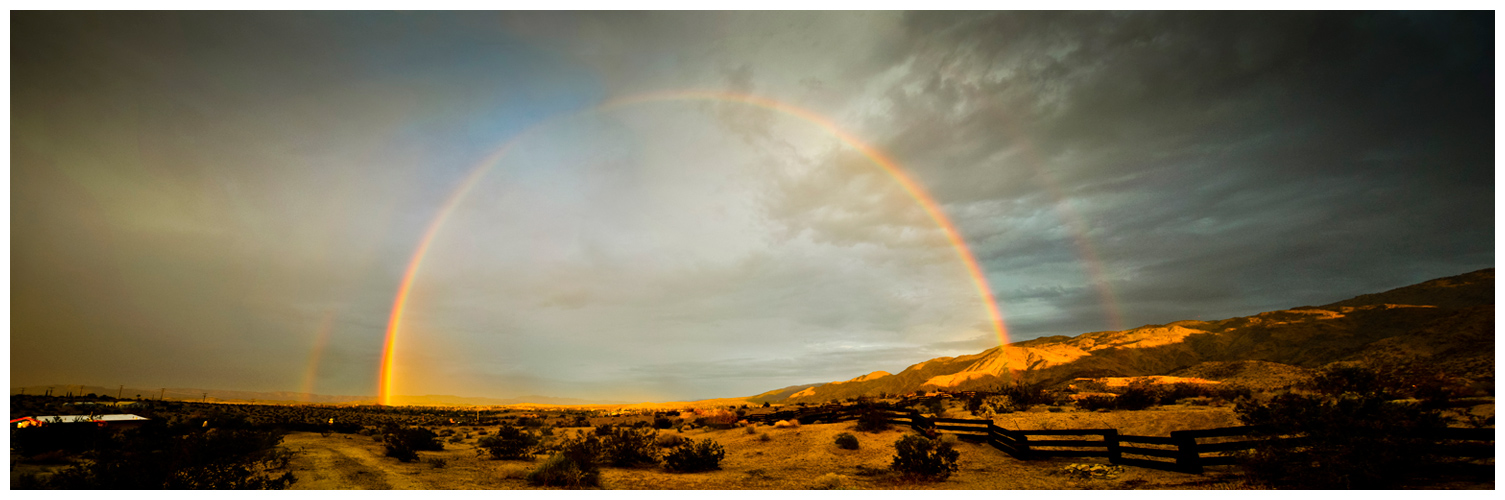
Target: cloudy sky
x,y
232,200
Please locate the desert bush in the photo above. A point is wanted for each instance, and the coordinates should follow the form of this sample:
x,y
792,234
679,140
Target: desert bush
x,y
873,420
1003,404
437,463
934,406
974,404
1230,392
919,458
662,423
1022,396
626,447
784,424
765,437
1137,396
404,443
1183,390
846,441
577,464
669,440
717,418
751,430
1096,403
1354,435
509,443
562,472
162,456
695,456
1089,385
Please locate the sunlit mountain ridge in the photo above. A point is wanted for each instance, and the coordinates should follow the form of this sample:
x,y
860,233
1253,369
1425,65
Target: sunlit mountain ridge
x,y
1449,322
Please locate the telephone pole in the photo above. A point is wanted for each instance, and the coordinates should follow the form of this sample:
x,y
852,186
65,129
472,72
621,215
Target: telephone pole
x,y
120,390
162,394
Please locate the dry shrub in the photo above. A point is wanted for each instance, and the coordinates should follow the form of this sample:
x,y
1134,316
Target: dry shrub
x,y
669,440
563,472
918,458
1096,402
846,441
786,424
695,456
716,418
627,447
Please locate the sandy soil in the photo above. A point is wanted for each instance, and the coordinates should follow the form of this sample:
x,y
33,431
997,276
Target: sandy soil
x,y
792,458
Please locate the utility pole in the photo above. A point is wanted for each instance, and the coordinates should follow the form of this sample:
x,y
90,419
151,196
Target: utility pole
x,y
206,397
161,394
120,390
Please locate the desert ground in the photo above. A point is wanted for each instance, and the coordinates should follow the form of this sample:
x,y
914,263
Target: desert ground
x,y
791,458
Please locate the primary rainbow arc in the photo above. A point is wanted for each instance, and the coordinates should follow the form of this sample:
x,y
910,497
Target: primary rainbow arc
x,y
889,166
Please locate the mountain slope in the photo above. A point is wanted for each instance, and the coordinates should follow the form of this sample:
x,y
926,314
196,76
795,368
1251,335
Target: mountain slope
x,y
1449,319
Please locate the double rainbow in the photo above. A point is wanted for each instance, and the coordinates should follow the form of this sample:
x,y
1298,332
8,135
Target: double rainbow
x,y
889,166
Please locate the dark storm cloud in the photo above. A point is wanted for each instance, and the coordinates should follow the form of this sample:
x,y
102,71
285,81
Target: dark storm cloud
x,y
1222,163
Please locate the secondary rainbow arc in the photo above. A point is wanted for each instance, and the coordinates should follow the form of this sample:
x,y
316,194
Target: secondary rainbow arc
x,y
883,161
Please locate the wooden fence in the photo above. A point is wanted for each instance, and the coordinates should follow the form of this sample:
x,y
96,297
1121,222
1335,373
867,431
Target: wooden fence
x,y
1183,451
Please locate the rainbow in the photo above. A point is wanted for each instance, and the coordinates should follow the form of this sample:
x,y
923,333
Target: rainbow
x,y
1073,219
889,166
321,339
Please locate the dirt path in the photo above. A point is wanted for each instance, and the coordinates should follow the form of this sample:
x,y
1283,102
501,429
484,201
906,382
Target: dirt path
x,y
343,462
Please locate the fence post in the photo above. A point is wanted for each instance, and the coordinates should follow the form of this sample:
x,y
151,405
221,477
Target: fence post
x,y
1187,458
1111,439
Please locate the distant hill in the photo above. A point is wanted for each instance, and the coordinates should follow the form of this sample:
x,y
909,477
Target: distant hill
x,y
218,395
189,394
1449,321
781,394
